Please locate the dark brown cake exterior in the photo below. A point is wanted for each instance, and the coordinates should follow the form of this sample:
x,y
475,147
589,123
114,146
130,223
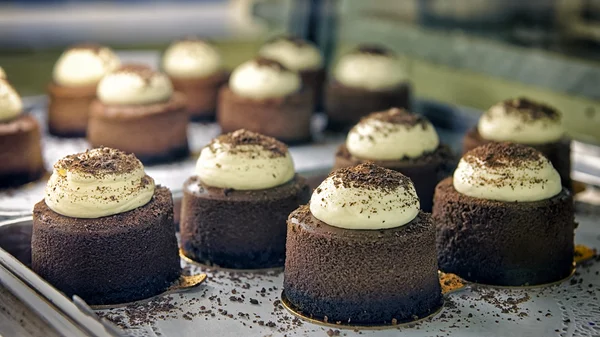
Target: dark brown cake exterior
x,y
113,259
504,243
315,80
68,109
201,94
20,151
361,276
235,228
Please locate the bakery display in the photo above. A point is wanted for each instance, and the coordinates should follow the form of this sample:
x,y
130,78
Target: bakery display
x,y
104,231
400,141
195,68
137,111
20,141
264,96
235,207
504,218
526,122
365,80
301,56
362,252
75,77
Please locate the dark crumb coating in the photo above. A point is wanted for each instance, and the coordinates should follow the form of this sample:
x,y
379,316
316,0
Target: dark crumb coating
x,y
504,243
238,229
425,171
558,153
361,276
114,259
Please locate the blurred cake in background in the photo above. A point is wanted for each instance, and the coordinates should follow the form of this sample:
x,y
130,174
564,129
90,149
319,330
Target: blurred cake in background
x,y
74,79
2,73
301,56
368,79
266,97
526,122
137,111
195,68
20,141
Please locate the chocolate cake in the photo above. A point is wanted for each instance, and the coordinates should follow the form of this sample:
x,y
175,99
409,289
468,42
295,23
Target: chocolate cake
x,y
500,242
400,141
234,209
361,269
73,88
368,79
532,120
137,111
99,244
265,97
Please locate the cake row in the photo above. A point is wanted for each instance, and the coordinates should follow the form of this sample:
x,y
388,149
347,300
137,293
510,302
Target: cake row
x,y
360,249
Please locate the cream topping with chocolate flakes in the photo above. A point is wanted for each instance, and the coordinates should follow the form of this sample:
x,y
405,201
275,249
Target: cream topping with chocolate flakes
x,y
84,64
134,84
264,78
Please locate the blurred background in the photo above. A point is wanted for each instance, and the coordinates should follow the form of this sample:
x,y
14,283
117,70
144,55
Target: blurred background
x,y
470,53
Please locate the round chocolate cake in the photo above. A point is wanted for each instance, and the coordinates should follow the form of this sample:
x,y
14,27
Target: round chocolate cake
x,y
138,112
362,252
234,209
526,122
504,218
367,79
104,232
400,141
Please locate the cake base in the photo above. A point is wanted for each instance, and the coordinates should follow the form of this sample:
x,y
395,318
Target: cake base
x,y
201,94
287,119
238,229
329,271
345,106
119,258
425,171
68,109
504,243
314,80
559,154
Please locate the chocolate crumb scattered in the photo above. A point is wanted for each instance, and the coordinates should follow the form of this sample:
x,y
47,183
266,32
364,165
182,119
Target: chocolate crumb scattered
x,y
530,110
99,161
370,176
398,116
267,62
374,50
239,138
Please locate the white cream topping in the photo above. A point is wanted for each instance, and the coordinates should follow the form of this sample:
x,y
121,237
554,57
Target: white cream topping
x,y
343,203
293,55
2,73
243,166
501,123
11,105
258,80
191,59
128,87
370,71
531,180
81,66
78,193
377,139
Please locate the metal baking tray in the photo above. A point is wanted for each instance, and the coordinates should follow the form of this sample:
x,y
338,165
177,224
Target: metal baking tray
x,y
248,303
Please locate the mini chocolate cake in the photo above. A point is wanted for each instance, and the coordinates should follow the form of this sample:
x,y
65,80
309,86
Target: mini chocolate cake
x,y
20,141
73,88
508,243
102,247
366,80
137,111
370,271
301,56
195,68
403,142
265,97
234,210
531,123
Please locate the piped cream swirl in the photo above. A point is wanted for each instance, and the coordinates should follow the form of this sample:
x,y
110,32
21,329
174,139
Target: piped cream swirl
x,y
98,183
191,58
84,65
365,197
11,105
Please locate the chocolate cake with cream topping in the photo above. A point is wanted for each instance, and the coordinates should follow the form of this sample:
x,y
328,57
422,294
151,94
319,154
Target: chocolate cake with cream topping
x,y
234,209
73,88
504,218
369,78
400,141
362,251
138,112
264,96
20,141
104,231
526,122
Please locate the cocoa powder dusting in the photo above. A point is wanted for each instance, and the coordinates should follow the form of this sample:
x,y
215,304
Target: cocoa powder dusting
x,y
398,116
370,176
100,161
530,110
501,155
143,71
244,137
